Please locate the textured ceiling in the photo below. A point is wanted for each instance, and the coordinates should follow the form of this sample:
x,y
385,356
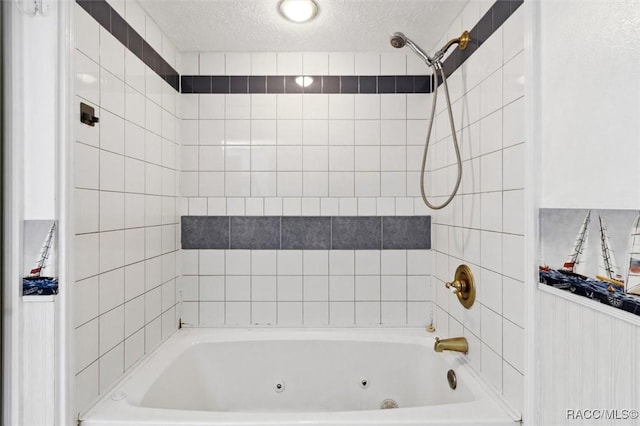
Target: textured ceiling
x,y
341,25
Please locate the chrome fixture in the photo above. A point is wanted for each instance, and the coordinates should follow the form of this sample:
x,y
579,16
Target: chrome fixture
x,y
463,286
456,344
399,40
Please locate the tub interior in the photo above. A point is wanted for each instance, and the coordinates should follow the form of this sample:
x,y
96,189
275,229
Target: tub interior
x,y
315,375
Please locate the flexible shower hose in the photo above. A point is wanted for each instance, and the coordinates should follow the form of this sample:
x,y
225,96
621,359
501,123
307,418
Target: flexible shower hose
x,y
437,66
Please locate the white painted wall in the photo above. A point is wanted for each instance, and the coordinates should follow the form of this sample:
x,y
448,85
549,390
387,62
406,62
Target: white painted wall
x,y
589,106
589,58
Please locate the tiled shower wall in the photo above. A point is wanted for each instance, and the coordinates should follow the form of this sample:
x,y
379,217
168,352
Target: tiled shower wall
x,y
126,208
304,155
483,227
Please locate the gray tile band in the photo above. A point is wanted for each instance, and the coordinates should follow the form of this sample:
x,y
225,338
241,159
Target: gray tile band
x,y
306,232
357,233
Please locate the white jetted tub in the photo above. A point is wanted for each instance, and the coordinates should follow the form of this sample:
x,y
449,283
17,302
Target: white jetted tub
x,y
337,377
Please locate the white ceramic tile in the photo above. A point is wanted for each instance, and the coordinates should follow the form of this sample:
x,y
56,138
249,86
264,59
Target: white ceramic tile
x,y
86,383
290,313
491,369
341,262
289,63
367,313
289,132
86,295
393,287
212,314
238,63
263,106
133,316
238,313
393,313
513,123
263,184
341,63
367,107
111,329
133,349
367,184
310,206
211,106
316,262
367,132
211,262
211,288
216,206
237,106
316,313
393,106
367,64
153,335
236,184
315,288
315,158
341,184
263,158
264,64
111,93
315,63
211,132
289,288
341,313
87,33
315,184
237,262
393,63
342,288
237,288
263,132
87,81
263,313
212,64
289,106
135,106
86,352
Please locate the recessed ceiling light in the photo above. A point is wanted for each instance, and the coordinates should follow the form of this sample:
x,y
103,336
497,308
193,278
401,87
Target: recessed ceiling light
x,y
298,10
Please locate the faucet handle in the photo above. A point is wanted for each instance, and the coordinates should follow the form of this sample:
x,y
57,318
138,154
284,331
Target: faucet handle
x,y
463,286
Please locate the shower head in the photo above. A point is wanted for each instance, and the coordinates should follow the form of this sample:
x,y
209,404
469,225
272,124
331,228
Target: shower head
x,y
399,40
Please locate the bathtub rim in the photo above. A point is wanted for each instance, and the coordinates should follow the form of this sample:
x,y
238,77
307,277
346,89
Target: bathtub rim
x,y
183,338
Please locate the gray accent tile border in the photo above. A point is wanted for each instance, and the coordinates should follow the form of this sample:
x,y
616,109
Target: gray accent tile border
x,y
256,233
306,232
357,233
413,232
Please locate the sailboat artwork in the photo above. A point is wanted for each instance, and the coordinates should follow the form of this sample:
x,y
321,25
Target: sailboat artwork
x,y
607,282
38,282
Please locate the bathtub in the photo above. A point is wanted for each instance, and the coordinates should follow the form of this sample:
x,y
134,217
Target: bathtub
x,y
337,377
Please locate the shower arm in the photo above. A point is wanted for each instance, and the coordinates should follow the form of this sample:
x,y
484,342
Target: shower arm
x,y
462,42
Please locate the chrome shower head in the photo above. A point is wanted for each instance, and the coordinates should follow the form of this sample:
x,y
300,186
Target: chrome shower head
x,y
399,40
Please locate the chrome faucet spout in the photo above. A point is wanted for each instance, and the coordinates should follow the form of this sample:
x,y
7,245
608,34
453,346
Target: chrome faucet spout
x,y
456,344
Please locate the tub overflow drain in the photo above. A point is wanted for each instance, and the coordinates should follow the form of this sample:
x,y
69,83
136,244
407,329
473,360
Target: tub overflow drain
x,y
388,403
452,379
279,387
